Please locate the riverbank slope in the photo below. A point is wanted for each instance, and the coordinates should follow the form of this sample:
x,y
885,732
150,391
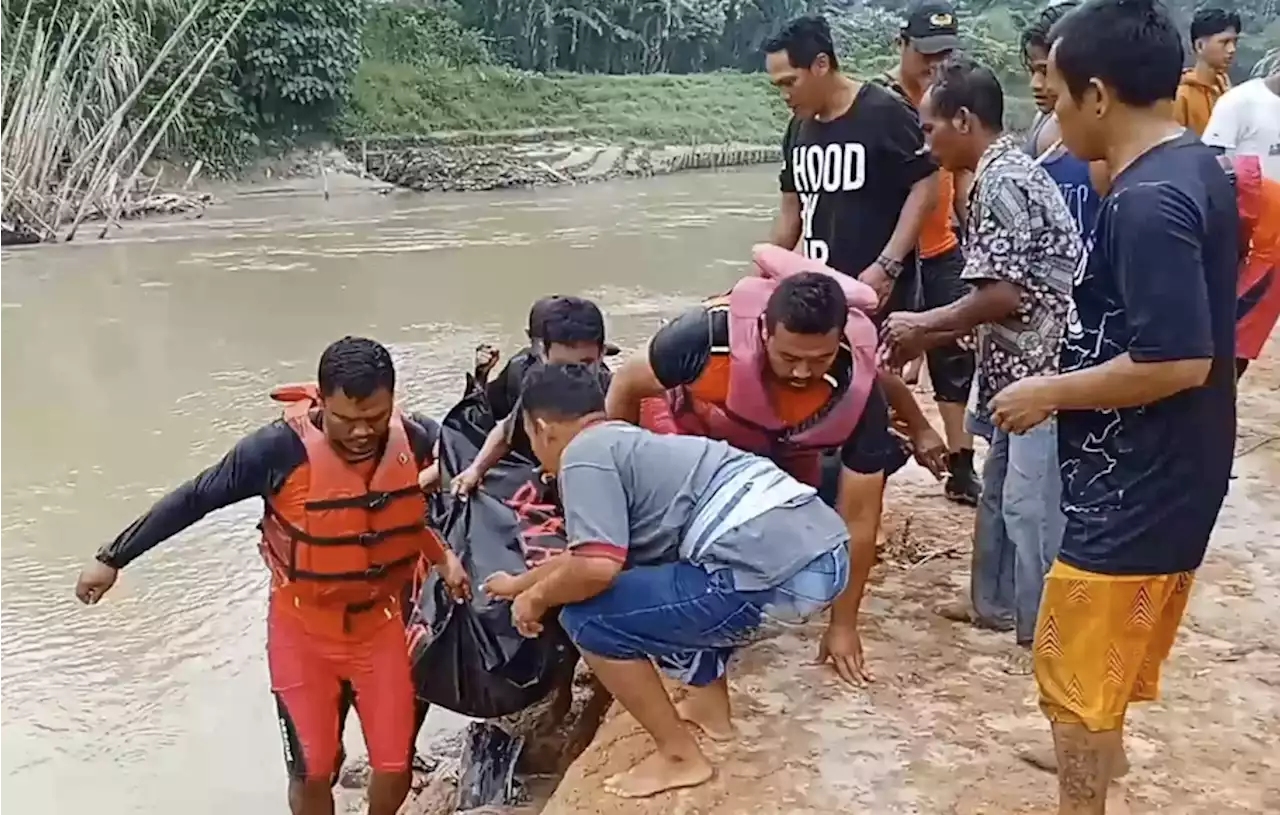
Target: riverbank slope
x,y
941,728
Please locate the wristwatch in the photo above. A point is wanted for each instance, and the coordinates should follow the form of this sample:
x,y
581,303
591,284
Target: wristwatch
x,y
893,268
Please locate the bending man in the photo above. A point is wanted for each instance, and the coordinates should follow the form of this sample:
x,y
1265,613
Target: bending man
x,y
343,530
784,370
681,549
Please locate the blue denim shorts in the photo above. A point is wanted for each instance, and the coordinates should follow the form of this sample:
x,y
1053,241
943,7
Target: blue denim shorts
x,y
690,621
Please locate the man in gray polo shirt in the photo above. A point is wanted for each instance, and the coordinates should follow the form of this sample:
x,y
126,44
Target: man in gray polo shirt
x,y
681,549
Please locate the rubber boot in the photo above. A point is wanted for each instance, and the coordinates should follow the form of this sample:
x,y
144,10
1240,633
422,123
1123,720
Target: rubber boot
x,y
962,485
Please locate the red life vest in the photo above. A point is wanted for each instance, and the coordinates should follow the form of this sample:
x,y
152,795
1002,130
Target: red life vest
x,y
1258,287
747,419
336,539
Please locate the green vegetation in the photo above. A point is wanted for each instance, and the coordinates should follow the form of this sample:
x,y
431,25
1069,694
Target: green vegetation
x,y
93,88
394,100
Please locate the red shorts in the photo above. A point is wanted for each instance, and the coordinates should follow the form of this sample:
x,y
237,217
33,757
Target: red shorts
x,y
316,677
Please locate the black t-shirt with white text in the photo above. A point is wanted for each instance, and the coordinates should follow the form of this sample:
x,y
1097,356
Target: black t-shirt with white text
x,y
853,175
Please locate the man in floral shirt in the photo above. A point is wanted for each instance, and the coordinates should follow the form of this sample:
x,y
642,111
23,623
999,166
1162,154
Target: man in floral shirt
x,y
1022,248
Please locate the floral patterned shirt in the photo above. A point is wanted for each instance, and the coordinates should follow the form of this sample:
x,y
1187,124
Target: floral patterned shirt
x,y
1020,230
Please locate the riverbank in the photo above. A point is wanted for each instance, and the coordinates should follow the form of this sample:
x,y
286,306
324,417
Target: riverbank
x,y
942,727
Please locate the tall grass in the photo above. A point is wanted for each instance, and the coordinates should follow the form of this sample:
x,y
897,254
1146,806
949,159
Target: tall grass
x,y
74,139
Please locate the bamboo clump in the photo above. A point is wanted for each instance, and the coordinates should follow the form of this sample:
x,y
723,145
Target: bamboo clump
x,y
72,146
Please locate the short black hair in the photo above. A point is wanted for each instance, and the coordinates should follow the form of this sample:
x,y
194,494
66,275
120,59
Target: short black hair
x,y
357,366
960,81
1210,21
804,39
571,319
1036,34
807,303
560,392
1132,46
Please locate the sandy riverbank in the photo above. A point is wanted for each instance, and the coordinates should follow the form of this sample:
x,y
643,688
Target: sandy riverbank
x,y
941,729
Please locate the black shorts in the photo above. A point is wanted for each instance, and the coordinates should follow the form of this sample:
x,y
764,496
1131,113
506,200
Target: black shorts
x,y
950,366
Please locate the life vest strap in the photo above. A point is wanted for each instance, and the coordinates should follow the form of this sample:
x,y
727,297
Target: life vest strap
x,y
361,539
374,500
372,573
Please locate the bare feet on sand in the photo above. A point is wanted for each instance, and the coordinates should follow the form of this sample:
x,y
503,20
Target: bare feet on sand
x,y
708,710
659,773
1044,758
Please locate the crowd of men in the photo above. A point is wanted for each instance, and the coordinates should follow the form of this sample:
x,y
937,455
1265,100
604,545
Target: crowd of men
x,y
1072,290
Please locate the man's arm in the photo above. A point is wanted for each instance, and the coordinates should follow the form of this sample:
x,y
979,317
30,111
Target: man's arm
x,y
1155,239
256,466
787,226
870,453
677,355
906,233
906,148
989,301
596,524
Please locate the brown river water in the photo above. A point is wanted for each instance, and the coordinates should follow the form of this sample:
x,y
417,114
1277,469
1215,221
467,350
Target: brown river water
x,y
133,363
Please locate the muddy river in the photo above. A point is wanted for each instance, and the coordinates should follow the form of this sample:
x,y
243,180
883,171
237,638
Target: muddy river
x,y
132,364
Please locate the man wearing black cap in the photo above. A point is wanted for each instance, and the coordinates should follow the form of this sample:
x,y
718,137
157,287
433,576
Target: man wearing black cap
x,y
927,36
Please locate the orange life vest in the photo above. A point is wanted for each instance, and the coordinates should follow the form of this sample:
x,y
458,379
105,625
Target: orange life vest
x,y
335,538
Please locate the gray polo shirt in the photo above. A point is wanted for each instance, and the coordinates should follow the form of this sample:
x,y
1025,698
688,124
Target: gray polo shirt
x,y
634,495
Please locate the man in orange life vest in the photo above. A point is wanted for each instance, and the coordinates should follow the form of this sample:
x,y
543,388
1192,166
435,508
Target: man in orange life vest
x,y
343,529
786,369
1258,290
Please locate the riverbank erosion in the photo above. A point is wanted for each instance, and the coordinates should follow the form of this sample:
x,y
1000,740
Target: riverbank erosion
x,y
942,728
495,164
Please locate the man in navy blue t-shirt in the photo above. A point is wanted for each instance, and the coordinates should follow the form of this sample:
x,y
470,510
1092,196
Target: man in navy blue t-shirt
x,y
1146,399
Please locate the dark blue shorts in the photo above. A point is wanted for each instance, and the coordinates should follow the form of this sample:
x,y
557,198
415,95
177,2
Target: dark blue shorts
x,y
690,621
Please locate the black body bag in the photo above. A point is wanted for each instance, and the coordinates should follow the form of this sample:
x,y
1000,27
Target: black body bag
x,y
469,657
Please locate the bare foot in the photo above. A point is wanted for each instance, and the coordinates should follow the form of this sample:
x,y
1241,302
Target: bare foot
x,y
707,708
658,773
713,720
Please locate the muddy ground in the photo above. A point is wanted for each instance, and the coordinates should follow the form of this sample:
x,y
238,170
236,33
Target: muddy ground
x,y
941,728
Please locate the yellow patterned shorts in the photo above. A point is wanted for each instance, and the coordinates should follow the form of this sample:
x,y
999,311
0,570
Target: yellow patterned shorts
x,y
1100,641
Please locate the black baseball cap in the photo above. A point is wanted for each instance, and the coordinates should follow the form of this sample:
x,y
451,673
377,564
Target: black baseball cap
x,y
538,316
932,27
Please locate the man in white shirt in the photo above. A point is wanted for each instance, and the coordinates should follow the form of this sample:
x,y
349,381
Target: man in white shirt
x,y
1246,121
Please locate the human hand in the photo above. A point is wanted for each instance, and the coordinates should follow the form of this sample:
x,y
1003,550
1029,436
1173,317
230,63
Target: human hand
x,y
486,357
1023,405
902,339
526,613
878,279
842,646
501,586
429,478
455,577
929,450
95,580
465,482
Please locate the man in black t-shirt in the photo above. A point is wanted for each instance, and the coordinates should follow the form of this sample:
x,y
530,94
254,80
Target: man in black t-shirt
x,y
1146,397
857,180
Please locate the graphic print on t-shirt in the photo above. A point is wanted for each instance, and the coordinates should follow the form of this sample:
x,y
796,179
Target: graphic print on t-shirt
x,y
852,175
824,169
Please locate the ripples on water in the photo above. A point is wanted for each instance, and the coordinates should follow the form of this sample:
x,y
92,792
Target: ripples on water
x,y
132,364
